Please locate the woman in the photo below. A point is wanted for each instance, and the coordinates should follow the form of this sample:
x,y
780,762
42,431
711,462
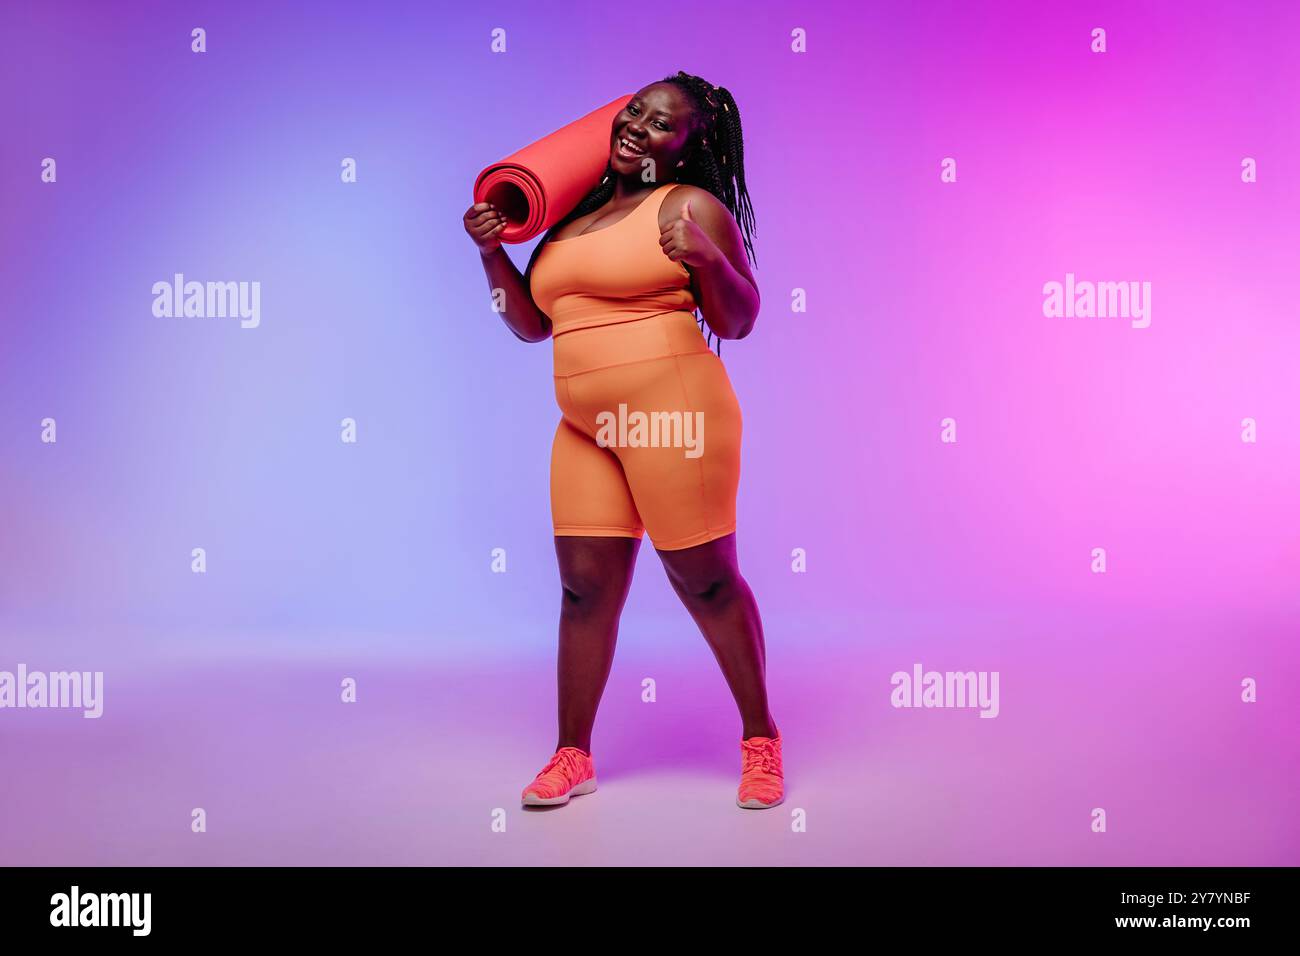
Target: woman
x,y
616,284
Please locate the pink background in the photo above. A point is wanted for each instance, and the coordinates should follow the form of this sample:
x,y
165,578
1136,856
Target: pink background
x,y
326,560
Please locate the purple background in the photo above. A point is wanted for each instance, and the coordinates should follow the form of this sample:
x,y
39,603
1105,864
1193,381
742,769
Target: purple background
x,y
372,560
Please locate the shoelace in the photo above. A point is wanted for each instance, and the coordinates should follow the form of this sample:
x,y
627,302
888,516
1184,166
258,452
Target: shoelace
x,y
566,762
760,756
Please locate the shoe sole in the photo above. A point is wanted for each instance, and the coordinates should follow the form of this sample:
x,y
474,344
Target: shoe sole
x,y
533,800
753,804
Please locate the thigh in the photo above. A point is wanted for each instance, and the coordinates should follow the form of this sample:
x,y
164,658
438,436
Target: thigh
x,y
589,492
685,489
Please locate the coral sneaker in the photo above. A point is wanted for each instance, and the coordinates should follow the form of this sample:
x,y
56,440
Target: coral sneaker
x,y
570,773
762,783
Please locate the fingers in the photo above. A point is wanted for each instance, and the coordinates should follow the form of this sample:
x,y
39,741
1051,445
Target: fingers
x,y
484,221
675,235
673,250
678,227
675,230
482,212
672,241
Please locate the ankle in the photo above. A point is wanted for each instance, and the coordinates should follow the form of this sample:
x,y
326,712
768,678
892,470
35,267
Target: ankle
x,y
760,729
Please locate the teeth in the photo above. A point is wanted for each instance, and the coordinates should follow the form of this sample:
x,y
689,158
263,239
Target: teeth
x,y
629,147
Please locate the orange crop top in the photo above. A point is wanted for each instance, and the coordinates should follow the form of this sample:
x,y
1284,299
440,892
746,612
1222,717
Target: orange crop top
x,y
615,274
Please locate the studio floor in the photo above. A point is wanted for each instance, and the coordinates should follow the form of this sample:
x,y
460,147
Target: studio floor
x,y
427,765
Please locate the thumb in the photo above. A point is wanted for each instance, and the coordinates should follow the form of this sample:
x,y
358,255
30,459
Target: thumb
x,y
686,211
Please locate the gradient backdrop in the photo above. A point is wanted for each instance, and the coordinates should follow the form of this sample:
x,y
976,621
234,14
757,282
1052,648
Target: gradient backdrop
x,y
327,560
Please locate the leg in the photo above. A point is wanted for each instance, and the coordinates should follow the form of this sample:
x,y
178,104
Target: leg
x,y
596,574
707,579
597,535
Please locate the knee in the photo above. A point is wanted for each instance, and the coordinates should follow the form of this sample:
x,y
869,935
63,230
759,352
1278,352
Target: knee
x,y
710,588
586,589
594,573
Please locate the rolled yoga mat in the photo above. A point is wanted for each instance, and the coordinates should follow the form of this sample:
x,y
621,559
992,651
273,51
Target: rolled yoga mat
x,y
535,187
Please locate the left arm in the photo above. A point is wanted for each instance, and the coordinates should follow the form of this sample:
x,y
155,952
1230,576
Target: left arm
x,y
705,238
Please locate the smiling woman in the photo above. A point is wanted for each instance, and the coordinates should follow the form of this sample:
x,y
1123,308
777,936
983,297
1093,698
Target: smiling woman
x,y
656,132
616,283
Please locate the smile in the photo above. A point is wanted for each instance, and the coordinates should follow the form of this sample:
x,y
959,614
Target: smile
x,y
629,149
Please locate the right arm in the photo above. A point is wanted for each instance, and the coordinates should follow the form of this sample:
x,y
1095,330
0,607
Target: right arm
x,y
484,224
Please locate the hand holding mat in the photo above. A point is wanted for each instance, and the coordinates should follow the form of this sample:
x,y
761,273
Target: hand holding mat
x,y
536,186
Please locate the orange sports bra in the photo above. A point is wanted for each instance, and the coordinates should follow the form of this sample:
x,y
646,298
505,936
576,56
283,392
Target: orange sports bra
x,y
614,274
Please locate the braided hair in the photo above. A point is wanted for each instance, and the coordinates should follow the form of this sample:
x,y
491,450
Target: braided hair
x,y
714,160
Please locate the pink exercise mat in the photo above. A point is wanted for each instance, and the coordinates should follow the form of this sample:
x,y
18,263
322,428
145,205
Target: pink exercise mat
x,y
536,186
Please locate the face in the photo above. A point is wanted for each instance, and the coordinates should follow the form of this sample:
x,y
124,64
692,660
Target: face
x,y
655,124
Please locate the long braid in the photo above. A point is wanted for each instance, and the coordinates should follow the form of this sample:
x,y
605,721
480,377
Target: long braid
x,y
717,161
714,160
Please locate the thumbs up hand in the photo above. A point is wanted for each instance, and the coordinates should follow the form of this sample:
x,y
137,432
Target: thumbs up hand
x,y
682,240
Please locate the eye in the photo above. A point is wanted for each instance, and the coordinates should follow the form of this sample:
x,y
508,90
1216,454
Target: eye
x,y
633,110
661,124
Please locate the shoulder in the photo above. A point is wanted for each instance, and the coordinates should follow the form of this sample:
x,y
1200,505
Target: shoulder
x,y
706,208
